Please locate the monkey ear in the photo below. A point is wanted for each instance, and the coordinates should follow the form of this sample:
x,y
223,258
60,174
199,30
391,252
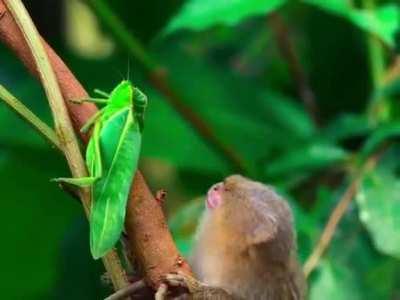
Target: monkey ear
x,y
263,231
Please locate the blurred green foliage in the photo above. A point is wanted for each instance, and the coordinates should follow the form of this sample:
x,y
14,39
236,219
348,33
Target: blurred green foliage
x,y
226,64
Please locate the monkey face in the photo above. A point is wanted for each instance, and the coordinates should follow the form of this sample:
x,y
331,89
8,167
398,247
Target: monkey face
x,y
220,192
235,186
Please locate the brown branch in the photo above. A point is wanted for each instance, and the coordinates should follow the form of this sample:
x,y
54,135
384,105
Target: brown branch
x,y
281,32
148,234
338,213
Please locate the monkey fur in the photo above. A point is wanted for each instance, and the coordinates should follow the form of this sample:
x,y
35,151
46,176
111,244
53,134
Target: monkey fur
x,y
246,246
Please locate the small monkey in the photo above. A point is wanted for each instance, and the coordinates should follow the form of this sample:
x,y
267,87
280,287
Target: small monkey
x,y
246,247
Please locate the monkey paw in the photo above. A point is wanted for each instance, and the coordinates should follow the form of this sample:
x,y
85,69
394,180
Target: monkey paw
x,y
183,280
197,289
178,280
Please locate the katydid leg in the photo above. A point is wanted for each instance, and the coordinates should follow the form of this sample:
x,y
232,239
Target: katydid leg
x,y
101,93
93,100
81,182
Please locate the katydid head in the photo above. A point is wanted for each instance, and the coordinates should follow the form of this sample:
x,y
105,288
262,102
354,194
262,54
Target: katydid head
x,y
139,100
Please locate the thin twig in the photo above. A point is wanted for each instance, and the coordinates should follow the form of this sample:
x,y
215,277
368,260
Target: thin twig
x,y
306,94
159,78
127,291
338,212
63,125
377,65
27,115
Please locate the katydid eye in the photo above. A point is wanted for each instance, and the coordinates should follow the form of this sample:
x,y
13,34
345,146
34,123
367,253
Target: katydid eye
x,y
139,99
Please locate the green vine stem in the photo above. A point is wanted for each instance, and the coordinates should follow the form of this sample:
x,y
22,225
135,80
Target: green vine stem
x,y
376,107
63,126
28,116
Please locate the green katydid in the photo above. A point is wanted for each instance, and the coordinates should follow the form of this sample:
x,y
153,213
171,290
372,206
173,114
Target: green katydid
x,y
112,157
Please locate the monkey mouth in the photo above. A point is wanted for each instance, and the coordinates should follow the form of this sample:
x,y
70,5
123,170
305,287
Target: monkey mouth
x,y
214,196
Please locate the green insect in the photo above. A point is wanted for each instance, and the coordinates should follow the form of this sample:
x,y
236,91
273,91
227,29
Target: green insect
x,y
112,157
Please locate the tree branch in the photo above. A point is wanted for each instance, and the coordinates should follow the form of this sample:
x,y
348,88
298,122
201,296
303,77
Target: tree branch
x,y
306,94
148,233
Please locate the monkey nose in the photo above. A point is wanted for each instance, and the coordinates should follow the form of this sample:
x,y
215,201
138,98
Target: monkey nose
x,y
214,196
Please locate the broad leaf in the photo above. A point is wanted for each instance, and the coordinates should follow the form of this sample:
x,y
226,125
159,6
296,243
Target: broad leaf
x,y
202,14
309,157
244,111
334,281
379,136
383,21
346,126
288,115
378,200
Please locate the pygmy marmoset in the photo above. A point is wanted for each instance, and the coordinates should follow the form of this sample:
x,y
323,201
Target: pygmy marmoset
x,y
246,246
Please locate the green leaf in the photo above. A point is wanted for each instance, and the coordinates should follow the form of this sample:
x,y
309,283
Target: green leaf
x,y
334,281
309,157
202,14
378,200
346,126
383,21
236,109
379,136
280,109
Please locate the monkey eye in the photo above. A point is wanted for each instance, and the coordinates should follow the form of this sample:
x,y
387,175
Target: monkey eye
x,y
226,187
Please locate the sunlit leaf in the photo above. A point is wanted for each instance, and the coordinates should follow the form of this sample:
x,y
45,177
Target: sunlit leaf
x,y
202,14
379,136
334,281
346,126
384,21
309,157
379,202
288,115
